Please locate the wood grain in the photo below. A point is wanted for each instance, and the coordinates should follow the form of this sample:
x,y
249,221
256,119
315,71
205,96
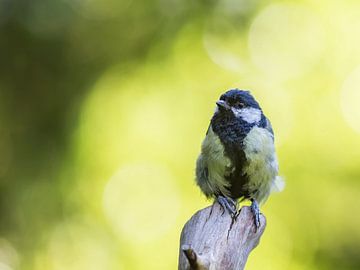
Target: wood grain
x,y
212,240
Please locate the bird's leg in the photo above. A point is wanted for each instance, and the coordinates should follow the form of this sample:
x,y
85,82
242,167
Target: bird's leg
x,y
256,212
227,204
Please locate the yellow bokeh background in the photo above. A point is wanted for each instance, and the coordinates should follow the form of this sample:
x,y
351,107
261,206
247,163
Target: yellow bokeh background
x,y
125,181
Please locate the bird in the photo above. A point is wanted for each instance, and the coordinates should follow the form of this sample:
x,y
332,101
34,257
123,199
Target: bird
x,y
238,159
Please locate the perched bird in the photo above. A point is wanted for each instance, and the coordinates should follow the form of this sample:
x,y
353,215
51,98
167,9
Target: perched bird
x,y
238,159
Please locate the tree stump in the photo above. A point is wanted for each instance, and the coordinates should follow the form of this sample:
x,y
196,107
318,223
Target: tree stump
x,y
212,240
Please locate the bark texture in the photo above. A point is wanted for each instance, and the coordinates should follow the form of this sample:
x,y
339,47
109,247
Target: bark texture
x,y
212,240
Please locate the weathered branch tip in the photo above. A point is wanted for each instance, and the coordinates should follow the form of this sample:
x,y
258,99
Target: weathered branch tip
x,y
211,239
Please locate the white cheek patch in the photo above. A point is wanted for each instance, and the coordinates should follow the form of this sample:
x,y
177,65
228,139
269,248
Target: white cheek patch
x,y
250,115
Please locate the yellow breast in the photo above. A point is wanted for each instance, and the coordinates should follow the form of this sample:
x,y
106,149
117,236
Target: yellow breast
x,y
261,166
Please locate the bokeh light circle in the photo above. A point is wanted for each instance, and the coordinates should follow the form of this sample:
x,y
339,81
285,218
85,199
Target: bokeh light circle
x,y
76,245
350,98
9,257
285,40
141,202
282,123
5,266
224,36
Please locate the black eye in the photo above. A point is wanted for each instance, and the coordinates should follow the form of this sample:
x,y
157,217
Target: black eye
x,y
239,104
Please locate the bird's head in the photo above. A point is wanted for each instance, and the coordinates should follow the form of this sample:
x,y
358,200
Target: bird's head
x,y
239,104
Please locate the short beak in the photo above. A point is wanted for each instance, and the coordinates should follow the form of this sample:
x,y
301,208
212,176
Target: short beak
x,y
222,105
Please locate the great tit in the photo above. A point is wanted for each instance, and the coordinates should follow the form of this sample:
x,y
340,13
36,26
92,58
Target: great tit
x,y
238,159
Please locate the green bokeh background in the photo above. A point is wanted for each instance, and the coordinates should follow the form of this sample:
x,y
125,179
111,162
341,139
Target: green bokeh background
x,y
104,104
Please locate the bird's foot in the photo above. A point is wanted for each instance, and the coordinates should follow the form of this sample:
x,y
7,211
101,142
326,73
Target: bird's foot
x,y
228,204
256,212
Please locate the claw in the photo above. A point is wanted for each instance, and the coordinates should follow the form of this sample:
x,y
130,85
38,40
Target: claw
x,y
227,204
256,212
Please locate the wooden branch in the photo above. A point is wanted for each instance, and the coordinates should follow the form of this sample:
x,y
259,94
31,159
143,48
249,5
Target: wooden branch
x,y
212,240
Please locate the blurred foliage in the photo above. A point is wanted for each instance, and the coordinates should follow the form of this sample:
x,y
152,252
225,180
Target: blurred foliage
x,y
104,104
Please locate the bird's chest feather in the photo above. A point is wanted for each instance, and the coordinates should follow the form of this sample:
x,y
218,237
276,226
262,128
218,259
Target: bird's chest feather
x,y
253,160
261,165
240,165
216,164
